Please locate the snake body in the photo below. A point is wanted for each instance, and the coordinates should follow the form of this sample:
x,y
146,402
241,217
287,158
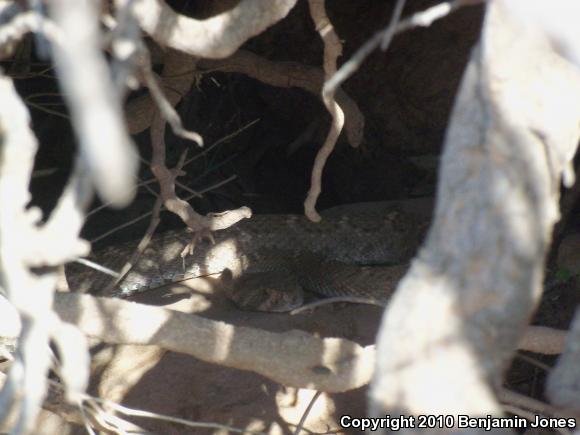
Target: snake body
x,y
277,254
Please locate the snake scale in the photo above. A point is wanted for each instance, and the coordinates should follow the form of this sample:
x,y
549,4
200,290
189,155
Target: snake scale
x,y
270,259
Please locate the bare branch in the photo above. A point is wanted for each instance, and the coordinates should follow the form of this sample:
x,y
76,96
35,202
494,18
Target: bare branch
x,y
467,298
164,105
293,358
291,74
21,24
540,339
421,19
563,382
216,37
94,102
332,50
140,111
32,293
301,360
200,225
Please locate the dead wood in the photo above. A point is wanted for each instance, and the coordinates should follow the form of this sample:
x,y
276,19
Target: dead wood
x,y
294,358
457,316
216,37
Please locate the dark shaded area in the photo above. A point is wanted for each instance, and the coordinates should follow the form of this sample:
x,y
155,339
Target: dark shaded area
x,y
405,94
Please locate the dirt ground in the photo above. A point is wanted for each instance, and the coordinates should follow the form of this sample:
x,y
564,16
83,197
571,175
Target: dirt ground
x,y
182,386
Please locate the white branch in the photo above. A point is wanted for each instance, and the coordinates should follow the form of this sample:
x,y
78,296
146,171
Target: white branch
x,y
216,37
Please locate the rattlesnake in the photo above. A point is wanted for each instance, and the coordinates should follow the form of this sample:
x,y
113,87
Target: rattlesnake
x,y
272,257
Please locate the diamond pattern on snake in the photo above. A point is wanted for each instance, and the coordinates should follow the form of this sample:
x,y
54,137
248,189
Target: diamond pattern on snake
x,y
269,261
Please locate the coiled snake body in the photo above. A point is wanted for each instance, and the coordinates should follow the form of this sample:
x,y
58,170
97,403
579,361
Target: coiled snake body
x,y
271,258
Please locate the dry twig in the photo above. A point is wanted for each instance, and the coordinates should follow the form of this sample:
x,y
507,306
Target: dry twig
x,y
332,50
200,225
421,19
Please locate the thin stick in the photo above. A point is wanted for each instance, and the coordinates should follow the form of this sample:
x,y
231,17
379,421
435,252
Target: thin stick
x,y
220,141
332,50
306,412
333,300
147,214
420,19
